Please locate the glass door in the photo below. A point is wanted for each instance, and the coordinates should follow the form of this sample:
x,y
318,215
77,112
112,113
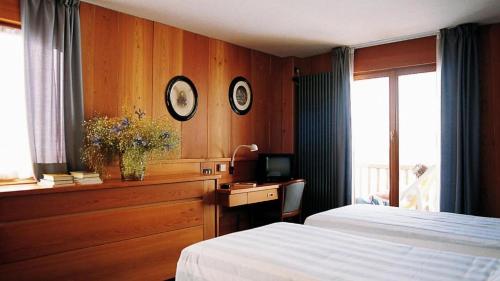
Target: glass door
x,y
395,118
370,140
419,143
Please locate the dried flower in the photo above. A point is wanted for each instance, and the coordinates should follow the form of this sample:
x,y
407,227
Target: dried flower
x,y
132,137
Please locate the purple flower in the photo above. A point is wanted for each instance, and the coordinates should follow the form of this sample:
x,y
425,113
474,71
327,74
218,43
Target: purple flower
x,y
138,141
125,123
116,129
96,141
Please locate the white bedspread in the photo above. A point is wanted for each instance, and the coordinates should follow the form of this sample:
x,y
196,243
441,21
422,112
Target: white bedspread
x,y
284,251
479,236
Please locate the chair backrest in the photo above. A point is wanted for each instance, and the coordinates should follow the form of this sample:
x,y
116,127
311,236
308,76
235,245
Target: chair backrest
x,y
293,196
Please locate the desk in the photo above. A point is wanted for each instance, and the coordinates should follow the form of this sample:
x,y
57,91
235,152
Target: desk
x,y
244,196
240,209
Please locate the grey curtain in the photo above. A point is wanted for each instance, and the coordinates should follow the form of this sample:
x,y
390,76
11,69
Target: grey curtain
x,y
323,150
51,32
460,119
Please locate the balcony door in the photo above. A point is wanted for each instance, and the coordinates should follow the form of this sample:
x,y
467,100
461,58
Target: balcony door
x,y
395,132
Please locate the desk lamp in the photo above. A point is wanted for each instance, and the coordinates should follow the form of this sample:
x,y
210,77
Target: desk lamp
x,y
252,147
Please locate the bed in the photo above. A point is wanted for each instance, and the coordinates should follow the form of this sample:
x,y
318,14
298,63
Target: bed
x,y
285,251
479,236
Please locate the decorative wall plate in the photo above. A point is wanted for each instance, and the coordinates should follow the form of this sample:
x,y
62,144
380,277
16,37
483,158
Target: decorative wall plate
x,y
181,98
240,95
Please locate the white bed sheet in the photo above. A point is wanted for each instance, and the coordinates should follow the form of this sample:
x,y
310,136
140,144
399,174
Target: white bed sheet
x,y
478,236
284,251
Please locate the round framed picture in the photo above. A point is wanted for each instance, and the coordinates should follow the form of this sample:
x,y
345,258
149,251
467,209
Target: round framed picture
x,y
181,98
240,95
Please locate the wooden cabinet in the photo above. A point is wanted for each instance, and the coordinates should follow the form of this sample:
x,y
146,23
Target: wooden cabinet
x,y
114,231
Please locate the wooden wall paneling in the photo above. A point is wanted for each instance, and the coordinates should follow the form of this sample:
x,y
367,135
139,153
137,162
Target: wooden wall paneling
x,y
160,169
288,106
10,12
195,66
167,57
117,61
242,126
136,64
103,72
490,123
219,111
108,74
208,165
87,31
321,63
244,170
128,61
275,108
260,80
29,239
393,55
151,257
304,65
420,51
209,213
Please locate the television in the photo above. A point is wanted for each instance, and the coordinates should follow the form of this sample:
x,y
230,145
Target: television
x,y
274,167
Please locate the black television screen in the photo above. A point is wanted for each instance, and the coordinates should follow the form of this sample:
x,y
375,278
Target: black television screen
x,y
275,167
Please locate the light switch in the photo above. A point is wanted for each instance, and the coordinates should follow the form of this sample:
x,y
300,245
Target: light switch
x,y
221,167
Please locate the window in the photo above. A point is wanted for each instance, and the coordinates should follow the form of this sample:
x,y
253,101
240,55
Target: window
x,y
396,131
15,160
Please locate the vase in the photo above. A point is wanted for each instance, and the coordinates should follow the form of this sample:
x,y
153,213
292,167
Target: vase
x,y
132,166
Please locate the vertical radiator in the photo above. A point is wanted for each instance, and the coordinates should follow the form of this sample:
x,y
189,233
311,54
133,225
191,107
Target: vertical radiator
x,y
314,141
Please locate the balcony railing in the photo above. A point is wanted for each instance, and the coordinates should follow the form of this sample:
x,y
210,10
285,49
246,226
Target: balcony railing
x,y
374,178
416,193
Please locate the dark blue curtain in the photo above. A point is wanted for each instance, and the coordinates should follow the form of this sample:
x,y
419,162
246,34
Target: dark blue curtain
x,y
323,151
460,119
342,124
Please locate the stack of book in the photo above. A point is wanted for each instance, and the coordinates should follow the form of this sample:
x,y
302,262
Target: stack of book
x,y
56,180
86,178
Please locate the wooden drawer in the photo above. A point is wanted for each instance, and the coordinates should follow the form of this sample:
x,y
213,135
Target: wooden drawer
x,y
262,196
39,237
238,199
233,200
38,206
151,257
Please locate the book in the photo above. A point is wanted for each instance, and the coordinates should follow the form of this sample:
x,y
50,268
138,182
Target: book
x,y
94,180
83,174
49,183
241,185
58,177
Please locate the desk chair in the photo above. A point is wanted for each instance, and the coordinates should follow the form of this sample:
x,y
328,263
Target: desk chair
x,y
291,199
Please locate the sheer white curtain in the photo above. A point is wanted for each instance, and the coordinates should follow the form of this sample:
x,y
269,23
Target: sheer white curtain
x,y
54,92
15,160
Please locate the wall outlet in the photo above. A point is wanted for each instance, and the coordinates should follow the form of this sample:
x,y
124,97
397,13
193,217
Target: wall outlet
x,y
221,167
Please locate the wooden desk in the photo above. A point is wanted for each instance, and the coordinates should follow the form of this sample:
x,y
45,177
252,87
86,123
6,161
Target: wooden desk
x,y
244,196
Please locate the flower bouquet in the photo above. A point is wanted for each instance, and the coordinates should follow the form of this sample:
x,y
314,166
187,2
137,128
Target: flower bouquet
x,y
133,138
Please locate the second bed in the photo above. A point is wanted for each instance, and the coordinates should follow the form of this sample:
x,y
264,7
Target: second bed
x,y
473,235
